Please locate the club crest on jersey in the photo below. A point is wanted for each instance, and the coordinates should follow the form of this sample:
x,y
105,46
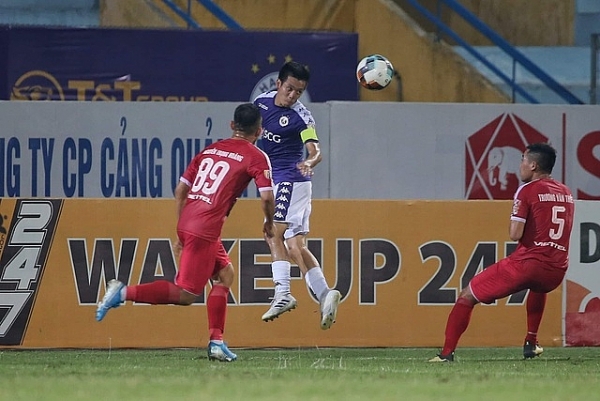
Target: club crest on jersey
x,y
284,121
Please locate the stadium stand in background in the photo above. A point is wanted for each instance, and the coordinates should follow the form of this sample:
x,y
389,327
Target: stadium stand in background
x,y
432,66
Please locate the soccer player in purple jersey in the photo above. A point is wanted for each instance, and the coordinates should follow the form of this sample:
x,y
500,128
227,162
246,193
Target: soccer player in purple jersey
x,y
541,222
289,132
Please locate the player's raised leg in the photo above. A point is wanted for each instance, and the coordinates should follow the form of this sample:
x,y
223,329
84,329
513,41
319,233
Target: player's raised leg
x,y
113,298
283,301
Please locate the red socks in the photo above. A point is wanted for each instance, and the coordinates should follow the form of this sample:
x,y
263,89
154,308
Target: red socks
x,y
460,316
216,308
458,321
157,292
165,292
536,302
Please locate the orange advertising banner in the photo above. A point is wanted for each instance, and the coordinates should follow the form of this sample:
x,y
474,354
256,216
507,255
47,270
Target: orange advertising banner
x,y
398,264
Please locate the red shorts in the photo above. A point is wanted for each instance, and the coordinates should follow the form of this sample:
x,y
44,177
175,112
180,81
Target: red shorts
x,y
200,260
508,276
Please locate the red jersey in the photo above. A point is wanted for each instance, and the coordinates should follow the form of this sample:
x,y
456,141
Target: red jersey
x,y
546,207
217,176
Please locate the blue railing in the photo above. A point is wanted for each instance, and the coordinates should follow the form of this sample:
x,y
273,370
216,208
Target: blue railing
x,y
186,16
217,11
221,15
496,39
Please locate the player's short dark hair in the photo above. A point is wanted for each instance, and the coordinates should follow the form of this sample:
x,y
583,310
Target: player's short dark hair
x,y
295,70
544,155
246,118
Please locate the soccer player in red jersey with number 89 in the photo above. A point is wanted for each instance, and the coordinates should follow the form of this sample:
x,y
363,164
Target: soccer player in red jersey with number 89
x,y
205,195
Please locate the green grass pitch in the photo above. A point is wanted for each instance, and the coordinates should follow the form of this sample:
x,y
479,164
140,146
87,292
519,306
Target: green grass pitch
x,y
300,374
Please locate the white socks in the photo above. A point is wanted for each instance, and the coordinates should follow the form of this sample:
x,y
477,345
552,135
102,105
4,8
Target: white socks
x,y
281,276
316,282
314,279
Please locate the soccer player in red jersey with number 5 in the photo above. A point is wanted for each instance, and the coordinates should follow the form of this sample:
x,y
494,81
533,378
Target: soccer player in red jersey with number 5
x,y
205,195
541,222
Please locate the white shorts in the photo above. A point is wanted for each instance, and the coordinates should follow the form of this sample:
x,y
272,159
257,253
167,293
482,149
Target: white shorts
x,y
292,206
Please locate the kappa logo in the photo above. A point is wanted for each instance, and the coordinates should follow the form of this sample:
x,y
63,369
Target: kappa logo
x,y
493,157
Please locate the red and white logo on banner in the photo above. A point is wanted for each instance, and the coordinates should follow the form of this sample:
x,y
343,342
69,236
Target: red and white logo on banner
x,y
582,283
493,155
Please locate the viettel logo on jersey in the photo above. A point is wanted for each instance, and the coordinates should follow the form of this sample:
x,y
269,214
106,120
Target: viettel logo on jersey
x,y
493,155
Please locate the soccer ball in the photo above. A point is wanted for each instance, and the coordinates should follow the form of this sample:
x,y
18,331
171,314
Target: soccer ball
x,y
374,72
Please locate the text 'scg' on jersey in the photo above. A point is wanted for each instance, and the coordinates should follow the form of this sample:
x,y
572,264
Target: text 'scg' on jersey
x,y
217,176
546,207
282,136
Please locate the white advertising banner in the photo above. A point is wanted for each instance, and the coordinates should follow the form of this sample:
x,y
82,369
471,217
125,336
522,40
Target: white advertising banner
x,y
456,151
110,149
371,150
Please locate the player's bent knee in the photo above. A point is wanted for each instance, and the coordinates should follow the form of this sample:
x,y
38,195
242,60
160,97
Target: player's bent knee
x,y
225,276
467,298
186,298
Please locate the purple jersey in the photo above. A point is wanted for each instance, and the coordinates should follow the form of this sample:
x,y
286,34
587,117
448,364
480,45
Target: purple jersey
x,y
285,132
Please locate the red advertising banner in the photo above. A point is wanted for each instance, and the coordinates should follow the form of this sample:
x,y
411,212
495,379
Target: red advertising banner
x,y
582,288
